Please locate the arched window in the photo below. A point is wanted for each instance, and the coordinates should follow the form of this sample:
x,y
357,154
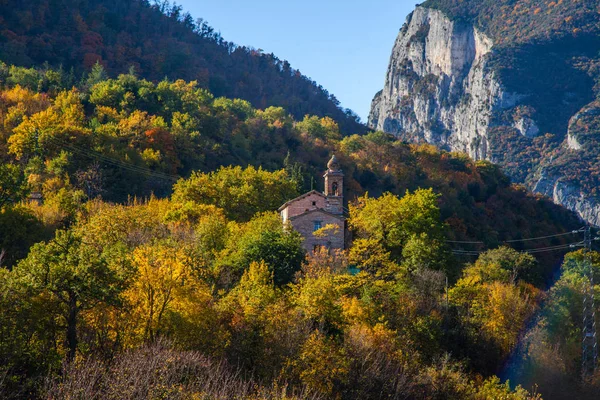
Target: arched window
x,y
334,189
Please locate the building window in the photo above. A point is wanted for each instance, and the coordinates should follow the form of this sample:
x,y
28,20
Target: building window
x,y
314,203
317,225
334,189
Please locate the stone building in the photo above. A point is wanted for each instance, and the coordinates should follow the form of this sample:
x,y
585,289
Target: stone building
x,y
315,210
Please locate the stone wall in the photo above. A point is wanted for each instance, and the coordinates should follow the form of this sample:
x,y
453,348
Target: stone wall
x,y
302,205
304,224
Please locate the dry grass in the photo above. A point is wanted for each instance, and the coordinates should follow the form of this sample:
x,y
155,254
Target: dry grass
x,y
159,372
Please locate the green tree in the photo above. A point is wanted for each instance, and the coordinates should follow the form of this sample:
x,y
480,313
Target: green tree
x,y
12,186
19,229
409,228
74,275
319,128
97,75
265,239
281,251
241,193
503,264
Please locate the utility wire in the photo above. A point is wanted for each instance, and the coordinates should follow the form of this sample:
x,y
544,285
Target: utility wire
x,y
545,237
121,164
548,249
521,240
109,160
530,251
112,161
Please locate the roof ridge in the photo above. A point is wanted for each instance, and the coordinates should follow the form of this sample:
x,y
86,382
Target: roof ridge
x,y
301,197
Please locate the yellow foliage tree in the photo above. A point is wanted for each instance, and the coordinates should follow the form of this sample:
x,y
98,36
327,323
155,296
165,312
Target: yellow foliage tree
x,y
163,271
322,365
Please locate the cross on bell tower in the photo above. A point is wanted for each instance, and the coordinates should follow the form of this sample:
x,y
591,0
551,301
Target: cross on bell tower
x,y
334,187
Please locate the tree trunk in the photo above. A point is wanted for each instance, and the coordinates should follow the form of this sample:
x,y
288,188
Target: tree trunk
x,y
72,326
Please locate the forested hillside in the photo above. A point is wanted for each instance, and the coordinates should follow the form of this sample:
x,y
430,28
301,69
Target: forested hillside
x,y
159,40
512,22
122,137
142,161
192,286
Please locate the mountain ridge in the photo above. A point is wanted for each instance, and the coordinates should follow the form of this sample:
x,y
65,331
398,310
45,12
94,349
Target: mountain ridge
x,y
159,40
453,82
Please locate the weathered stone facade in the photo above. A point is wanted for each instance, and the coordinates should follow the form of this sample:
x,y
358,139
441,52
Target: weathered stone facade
x,y
322,212
333,235
307,202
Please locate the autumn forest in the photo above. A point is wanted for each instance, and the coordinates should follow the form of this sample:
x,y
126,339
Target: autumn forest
x,y
142,255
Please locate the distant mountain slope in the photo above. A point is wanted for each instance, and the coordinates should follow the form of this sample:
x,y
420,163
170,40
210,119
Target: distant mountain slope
x,y
520,21
159,40
511,81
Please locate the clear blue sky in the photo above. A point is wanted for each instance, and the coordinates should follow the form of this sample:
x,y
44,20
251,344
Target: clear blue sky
x,y
343,45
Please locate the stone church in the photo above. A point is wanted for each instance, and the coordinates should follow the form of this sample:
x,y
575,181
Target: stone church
x,y
315,210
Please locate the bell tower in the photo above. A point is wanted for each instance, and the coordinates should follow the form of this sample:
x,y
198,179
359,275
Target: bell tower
x,y
334,187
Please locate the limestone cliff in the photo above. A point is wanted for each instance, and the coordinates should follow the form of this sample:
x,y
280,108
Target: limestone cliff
x,y
437,87
443,87
570,196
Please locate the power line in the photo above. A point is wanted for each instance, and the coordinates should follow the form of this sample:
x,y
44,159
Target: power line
x,y
114,162
521,240
529,251
121,164
553,248
545,237
458,241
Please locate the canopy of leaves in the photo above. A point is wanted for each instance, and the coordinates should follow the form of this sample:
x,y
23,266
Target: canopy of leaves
x,y
213,269
241,193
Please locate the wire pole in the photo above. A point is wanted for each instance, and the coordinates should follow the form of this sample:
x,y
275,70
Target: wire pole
x,y
589,358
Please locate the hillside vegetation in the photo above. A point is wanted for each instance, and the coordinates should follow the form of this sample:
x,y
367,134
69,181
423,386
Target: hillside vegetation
x,y
115,138
511,22
198,290
159,40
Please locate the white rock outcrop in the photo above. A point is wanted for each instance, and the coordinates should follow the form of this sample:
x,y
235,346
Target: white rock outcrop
x,y
438,88
527,127
570,196
590,114
573,143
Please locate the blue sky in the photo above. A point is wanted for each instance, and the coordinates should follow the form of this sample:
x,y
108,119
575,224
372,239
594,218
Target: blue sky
x,y
343,45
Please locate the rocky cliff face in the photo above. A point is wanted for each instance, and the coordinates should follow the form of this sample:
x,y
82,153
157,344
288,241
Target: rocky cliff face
x,y
441,88
438,87
569,196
